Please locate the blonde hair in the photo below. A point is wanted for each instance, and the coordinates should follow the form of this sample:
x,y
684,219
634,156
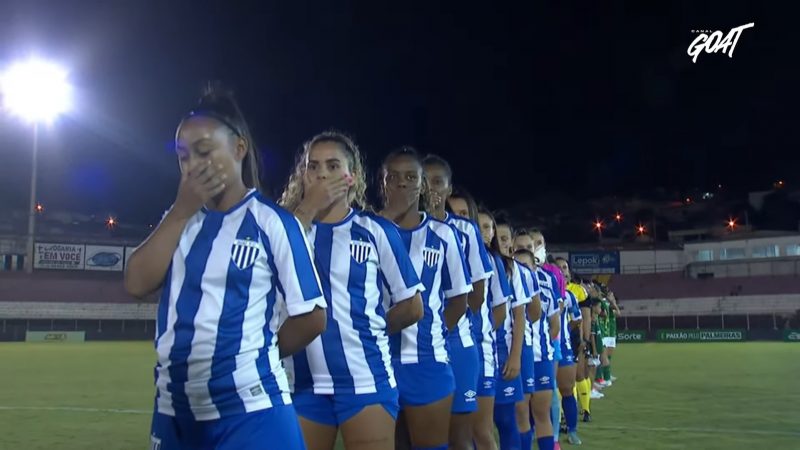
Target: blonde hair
x,y
357,195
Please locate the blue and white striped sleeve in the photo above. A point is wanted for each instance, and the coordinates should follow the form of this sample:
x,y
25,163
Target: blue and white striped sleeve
x,y
575,307
498,283
402,281
522,295
292,260
455,278
479,263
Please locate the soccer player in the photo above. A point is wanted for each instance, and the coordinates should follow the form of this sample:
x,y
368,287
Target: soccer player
x,y
463,352
611,340
492,315
419,355
603,323
239,292
512,427
566,375
344,379
545,329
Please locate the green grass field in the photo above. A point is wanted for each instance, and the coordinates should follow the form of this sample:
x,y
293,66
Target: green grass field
x,y
668,396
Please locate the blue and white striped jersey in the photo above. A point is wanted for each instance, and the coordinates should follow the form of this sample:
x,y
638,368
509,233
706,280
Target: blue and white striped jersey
x,y
550,296
234,278
357,259
498,291
479,267
532,283
572,311
522,296
437,257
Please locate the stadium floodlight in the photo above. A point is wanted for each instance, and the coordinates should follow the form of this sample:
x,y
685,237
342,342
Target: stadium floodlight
x,y
37,91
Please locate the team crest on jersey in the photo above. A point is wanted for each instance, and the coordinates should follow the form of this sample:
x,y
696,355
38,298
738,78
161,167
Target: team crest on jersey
x,y
431,256
244,253
360,251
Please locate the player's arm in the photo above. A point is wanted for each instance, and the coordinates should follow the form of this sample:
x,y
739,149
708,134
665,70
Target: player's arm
x,y
513,363
298,331
401,279
534,308
455,279
499,314
455,309
297,275
613,299
404,313
148,265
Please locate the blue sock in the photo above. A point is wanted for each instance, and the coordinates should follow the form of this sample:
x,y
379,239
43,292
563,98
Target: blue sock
x,y
441,447
555,414
570,405
546,443
505,418
527,440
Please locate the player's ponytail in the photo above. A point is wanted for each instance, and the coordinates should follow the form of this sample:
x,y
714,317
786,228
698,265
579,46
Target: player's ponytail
x,y
220,104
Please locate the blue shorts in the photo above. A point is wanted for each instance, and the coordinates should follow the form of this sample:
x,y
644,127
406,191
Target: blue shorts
x,y
487,386
545,378
423,383
526,369
508,391
336,409
567,357
269,429
465,364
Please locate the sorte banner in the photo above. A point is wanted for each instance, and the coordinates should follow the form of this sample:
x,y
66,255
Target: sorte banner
x,y
791,335
59,256
701,335
632,336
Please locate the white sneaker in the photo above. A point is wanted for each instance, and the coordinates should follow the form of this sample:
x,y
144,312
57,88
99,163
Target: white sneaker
x,y
608,383
596,395
613,378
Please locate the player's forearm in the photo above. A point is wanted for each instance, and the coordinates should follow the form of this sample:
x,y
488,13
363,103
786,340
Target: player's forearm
x,y
404,314
305,213
148,265
518,331
299,331
534,309
476,297
499,315
455,310
555,327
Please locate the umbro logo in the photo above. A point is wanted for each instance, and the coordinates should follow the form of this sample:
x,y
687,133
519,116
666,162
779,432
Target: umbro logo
x,y
487,384
530,381
509,390
544,380
470,395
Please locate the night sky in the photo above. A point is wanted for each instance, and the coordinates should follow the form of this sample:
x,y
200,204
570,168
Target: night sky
x,y
593,99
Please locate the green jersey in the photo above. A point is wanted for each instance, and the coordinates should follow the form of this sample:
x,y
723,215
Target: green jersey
x,y
612,322
605,319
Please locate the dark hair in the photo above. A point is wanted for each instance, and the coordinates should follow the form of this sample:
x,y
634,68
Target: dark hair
x,y
220,104
551,259
525,252
501,218
472,206
405,151
436,160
